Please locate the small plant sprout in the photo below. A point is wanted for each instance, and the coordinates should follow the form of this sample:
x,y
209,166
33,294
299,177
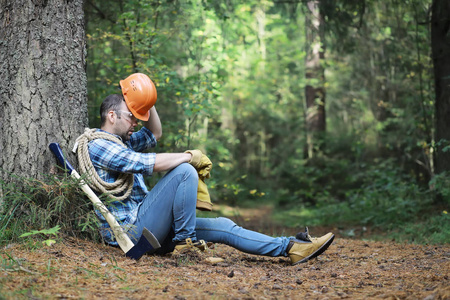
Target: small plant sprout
x,y
46,232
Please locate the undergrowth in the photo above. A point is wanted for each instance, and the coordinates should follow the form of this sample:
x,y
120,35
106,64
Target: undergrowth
x,y
30,205
380,196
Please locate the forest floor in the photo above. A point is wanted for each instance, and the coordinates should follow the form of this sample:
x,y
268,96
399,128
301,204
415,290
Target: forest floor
x,y
349,269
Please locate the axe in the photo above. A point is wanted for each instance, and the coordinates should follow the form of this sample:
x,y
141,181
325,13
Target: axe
x,y
147,242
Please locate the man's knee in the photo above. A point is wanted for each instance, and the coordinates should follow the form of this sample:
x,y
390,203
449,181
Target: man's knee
x,y
219,223
225,222
188,170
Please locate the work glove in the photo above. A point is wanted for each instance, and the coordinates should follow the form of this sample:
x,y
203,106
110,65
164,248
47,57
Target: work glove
x,y
196,157
203,165
203,198
204,168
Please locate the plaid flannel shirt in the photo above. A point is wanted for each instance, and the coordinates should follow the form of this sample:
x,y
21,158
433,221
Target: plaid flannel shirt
x,y
110,159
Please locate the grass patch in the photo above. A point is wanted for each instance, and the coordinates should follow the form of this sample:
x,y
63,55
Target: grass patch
x,y
32,208
434,230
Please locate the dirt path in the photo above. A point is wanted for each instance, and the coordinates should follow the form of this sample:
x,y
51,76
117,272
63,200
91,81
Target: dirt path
x,y
352,269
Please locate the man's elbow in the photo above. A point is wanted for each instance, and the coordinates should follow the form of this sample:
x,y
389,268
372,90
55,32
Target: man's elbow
x,y
157,135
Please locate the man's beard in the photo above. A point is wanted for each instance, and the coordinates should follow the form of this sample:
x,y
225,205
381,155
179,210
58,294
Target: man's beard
x,y
125,137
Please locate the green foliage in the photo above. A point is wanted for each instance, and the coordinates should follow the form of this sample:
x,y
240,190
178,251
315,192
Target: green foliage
x,y
231,81
440,183
377,195
53,204
386,198
433,230
151,39
51,231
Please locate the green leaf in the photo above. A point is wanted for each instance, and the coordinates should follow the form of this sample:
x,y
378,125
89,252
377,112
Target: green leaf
x,y
51,231
49,242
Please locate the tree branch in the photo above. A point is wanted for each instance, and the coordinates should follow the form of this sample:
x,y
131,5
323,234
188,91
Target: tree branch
x,y
100,13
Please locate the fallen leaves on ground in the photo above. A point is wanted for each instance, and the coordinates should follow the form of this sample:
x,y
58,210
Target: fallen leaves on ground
x,y
349,269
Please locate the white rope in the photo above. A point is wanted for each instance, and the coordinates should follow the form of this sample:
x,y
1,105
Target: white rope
x,y
123,183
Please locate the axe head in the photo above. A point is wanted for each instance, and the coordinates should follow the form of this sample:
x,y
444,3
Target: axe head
x,y
146,244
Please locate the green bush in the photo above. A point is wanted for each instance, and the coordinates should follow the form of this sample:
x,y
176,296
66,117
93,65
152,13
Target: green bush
x,y
440,184
378,195
432,230
44,204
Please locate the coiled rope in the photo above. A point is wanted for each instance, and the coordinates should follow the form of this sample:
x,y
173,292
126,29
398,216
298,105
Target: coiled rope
x,y
124,182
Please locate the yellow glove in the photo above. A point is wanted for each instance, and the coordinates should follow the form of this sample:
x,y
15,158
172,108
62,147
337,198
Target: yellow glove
x,y
203,198
204,168
203,165
196,157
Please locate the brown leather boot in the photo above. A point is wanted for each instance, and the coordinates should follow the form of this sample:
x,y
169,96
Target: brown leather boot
x,y
189,246
300,251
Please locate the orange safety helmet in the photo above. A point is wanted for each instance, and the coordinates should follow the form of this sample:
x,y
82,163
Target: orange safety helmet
x,y
140,95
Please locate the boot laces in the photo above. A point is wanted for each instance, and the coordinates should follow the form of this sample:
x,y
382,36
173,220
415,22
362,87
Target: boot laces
x,y
188,244
304,236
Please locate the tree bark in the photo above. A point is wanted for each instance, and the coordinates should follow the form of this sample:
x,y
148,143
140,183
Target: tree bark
x,y
43,95
440,44
315,78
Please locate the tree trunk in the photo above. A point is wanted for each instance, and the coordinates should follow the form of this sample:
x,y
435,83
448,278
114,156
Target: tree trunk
x,y
43,95
440,44
315,79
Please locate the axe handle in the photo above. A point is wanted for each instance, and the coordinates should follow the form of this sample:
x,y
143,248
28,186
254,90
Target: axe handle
x,y
122,238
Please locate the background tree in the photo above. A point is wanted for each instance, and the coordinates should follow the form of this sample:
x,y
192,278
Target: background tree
x,y
315,92
43,95
440,42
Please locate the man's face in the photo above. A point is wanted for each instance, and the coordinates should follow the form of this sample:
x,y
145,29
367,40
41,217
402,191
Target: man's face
x,y
125,122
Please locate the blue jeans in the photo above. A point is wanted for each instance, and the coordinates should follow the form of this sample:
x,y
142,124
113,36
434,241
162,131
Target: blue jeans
x,y
168,211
